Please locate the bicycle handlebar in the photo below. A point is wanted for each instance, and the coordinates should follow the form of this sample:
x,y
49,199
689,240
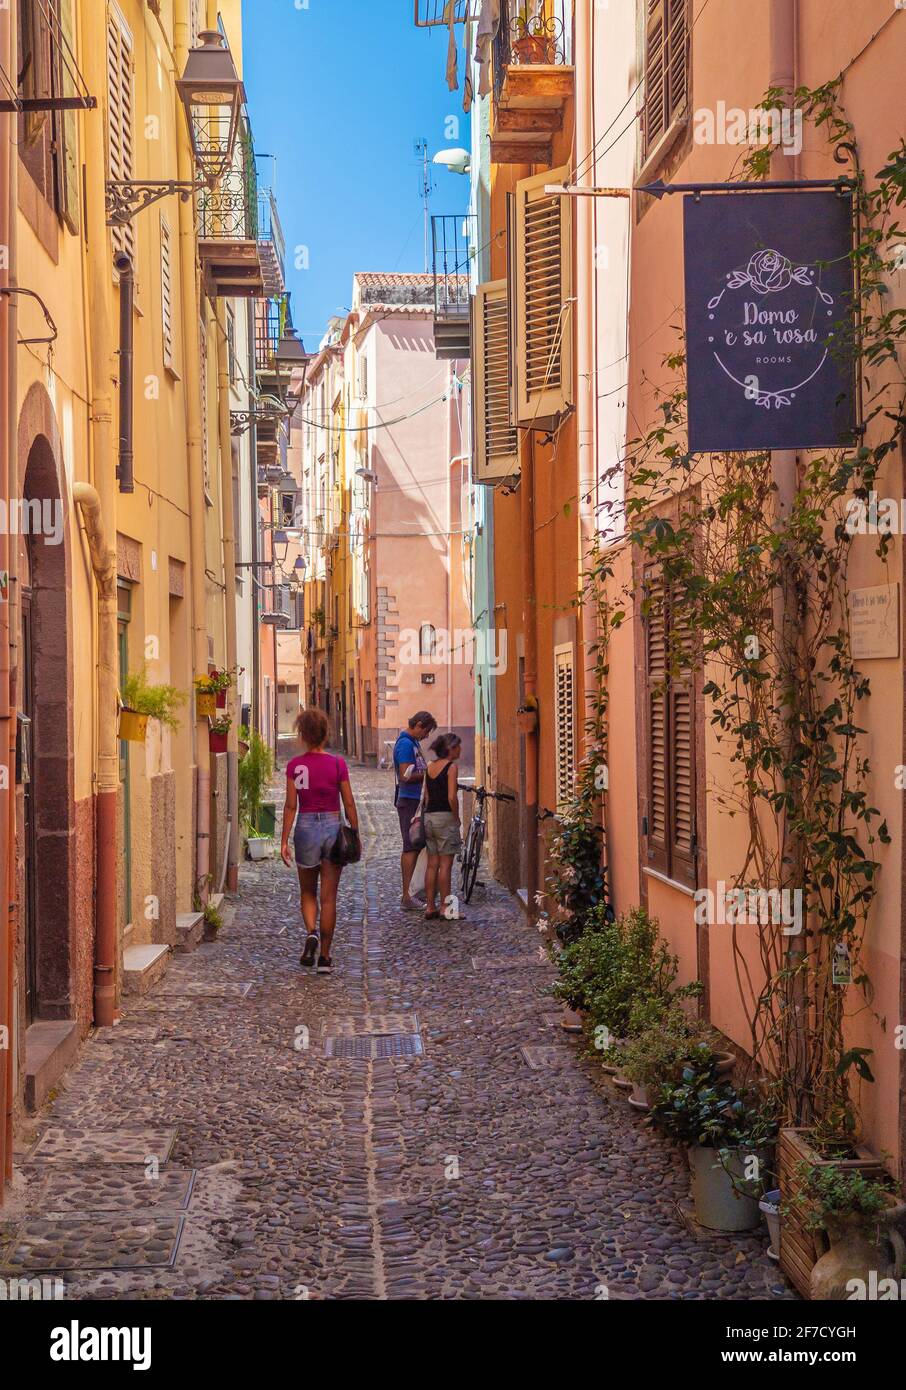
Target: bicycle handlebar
x,y
482,794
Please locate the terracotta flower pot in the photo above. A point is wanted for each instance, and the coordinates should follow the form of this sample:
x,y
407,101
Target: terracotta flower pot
x,y
859,1245
527,720
205,703
218,742
532,49
133,726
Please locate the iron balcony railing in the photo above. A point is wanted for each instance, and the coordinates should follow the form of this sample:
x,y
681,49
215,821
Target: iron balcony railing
x,y
270,319
454,237
271,242
229,211
531,32
429,13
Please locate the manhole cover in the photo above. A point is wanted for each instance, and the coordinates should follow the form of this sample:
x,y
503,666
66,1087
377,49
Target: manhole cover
x,y
197,990
108,1189
129,1145
117,1242
367,1048
349,1026
540,1057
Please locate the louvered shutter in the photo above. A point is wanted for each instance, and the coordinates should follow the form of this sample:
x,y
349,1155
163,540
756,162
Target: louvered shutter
x,y
667,36
194,22
120,116
66,122
681,781
543,288
166,291
565,714
656,671
496,441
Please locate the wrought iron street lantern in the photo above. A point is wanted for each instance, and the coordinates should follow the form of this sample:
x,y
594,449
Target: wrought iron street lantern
x,y
213,95
290,354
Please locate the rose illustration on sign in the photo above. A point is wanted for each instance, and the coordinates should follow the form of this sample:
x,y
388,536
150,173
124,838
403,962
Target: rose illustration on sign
x,y
765,332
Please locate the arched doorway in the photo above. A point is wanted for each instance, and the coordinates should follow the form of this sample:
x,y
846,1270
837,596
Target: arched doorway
x,y
45,697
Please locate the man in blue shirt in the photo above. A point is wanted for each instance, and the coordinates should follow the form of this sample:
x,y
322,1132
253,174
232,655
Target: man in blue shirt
x,y
409,767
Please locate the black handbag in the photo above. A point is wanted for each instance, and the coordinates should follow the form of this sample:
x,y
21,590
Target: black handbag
x,y
347,847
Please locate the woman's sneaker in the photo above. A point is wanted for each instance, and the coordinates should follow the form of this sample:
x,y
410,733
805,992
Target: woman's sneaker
x,y
311,950
325,965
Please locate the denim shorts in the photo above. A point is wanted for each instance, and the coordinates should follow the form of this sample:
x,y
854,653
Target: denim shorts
x,y
314,838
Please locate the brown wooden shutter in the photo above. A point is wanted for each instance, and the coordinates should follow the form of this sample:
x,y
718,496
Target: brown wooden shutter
x,y
681,780
66,124
543,289
496,441
656,676
667,45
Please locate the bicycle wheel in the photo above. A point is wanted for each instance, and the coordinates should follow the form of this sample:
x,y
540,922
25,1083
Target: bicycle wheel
x,y
472,858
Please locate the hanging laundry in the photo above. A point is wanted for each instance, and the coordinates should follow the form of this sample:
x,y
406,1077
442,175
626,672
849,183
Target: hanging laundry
x,y
467,87
452,53
488,24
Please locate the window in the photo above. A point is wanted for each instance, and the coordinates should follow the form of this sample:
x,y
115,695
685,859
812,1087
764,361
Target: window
x,y
166,291
496,441
542,285
670,780
427,640
66,122
48,140
120,116
565,716
194,22
667,53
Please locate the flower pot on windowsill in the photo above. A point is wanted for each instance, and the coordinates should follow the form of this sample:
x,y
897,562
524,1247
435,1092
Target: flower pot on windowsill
x,y
133,726
205,704
527,720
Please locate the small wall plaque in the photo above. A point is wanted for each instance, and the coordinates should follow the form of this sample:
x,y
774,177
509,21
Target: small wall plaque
x,y
875,622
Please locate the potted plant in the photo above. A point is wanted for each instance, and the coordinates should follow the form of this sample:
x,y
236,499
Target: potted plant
x,y
533,43
213,921
142,701
221,682
769,1206
219,733
205,697
728,1135
255,772
859,1215
656,1055
527,715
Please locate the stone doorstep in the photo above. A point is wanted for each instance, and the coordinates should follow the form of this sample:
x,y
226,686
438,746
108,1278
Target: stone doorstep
x,y
189,931
143,967
49,1049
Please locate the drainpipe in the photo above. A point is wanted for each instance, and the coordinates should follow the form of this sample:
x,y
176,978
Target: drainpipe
x,y
254,516
103,562
125,471
194,438
8,468
229,576
530,675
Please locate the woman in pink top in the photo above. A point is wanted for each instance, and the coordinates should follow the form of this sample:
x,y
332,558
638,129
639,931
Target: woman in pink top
x,y
316,782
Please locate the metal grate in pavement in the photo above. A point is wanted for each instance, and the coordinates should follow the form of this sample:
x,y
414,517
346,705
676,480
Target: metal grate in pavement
x,y
539,1058
369,1047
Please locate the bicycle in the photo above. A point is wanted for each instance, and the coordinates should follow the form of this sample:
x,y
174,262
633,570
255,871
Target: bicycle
x,y
470,857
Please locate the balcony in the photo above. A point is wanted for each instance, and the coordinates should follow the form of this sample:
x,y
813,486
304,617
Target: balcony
x,y
228,231
533,80
270,317
430,14
453,238
271,245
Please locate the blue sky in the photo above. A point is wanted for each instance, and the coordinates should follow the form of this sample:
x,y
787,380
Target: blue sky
x,y
339,92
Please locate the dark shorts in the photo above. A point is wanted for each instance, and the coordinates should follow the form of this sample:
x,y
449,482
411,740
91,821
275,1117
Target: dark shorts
x,y
406,809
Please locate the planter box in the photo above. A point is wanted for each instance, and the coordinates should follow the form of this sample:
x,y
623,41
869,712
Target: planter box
x,y
260,848
800,1248
133,727
218,742
205,704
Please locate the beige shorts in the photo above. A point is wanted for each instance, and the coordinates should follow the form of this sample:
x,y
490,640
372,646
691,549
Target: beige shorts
x,y
442,833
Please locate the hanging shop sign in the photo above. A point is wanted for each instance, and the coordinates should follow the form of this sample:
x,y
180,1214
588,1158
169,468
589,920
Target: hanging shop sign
x,y
769,304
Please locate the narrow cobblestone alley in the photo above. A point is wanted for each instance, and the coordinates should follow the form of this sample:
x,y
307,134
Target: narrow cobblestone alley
x,y
229,1156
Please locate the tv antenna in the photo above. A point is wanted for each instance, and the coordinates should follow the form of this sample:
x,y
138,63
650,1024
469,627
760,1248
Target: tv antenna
x,y
421,154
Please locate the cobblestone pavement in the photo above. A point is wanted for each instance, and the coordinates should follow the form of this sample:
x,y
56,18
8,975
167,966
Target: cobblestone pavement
x,y
211,1124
